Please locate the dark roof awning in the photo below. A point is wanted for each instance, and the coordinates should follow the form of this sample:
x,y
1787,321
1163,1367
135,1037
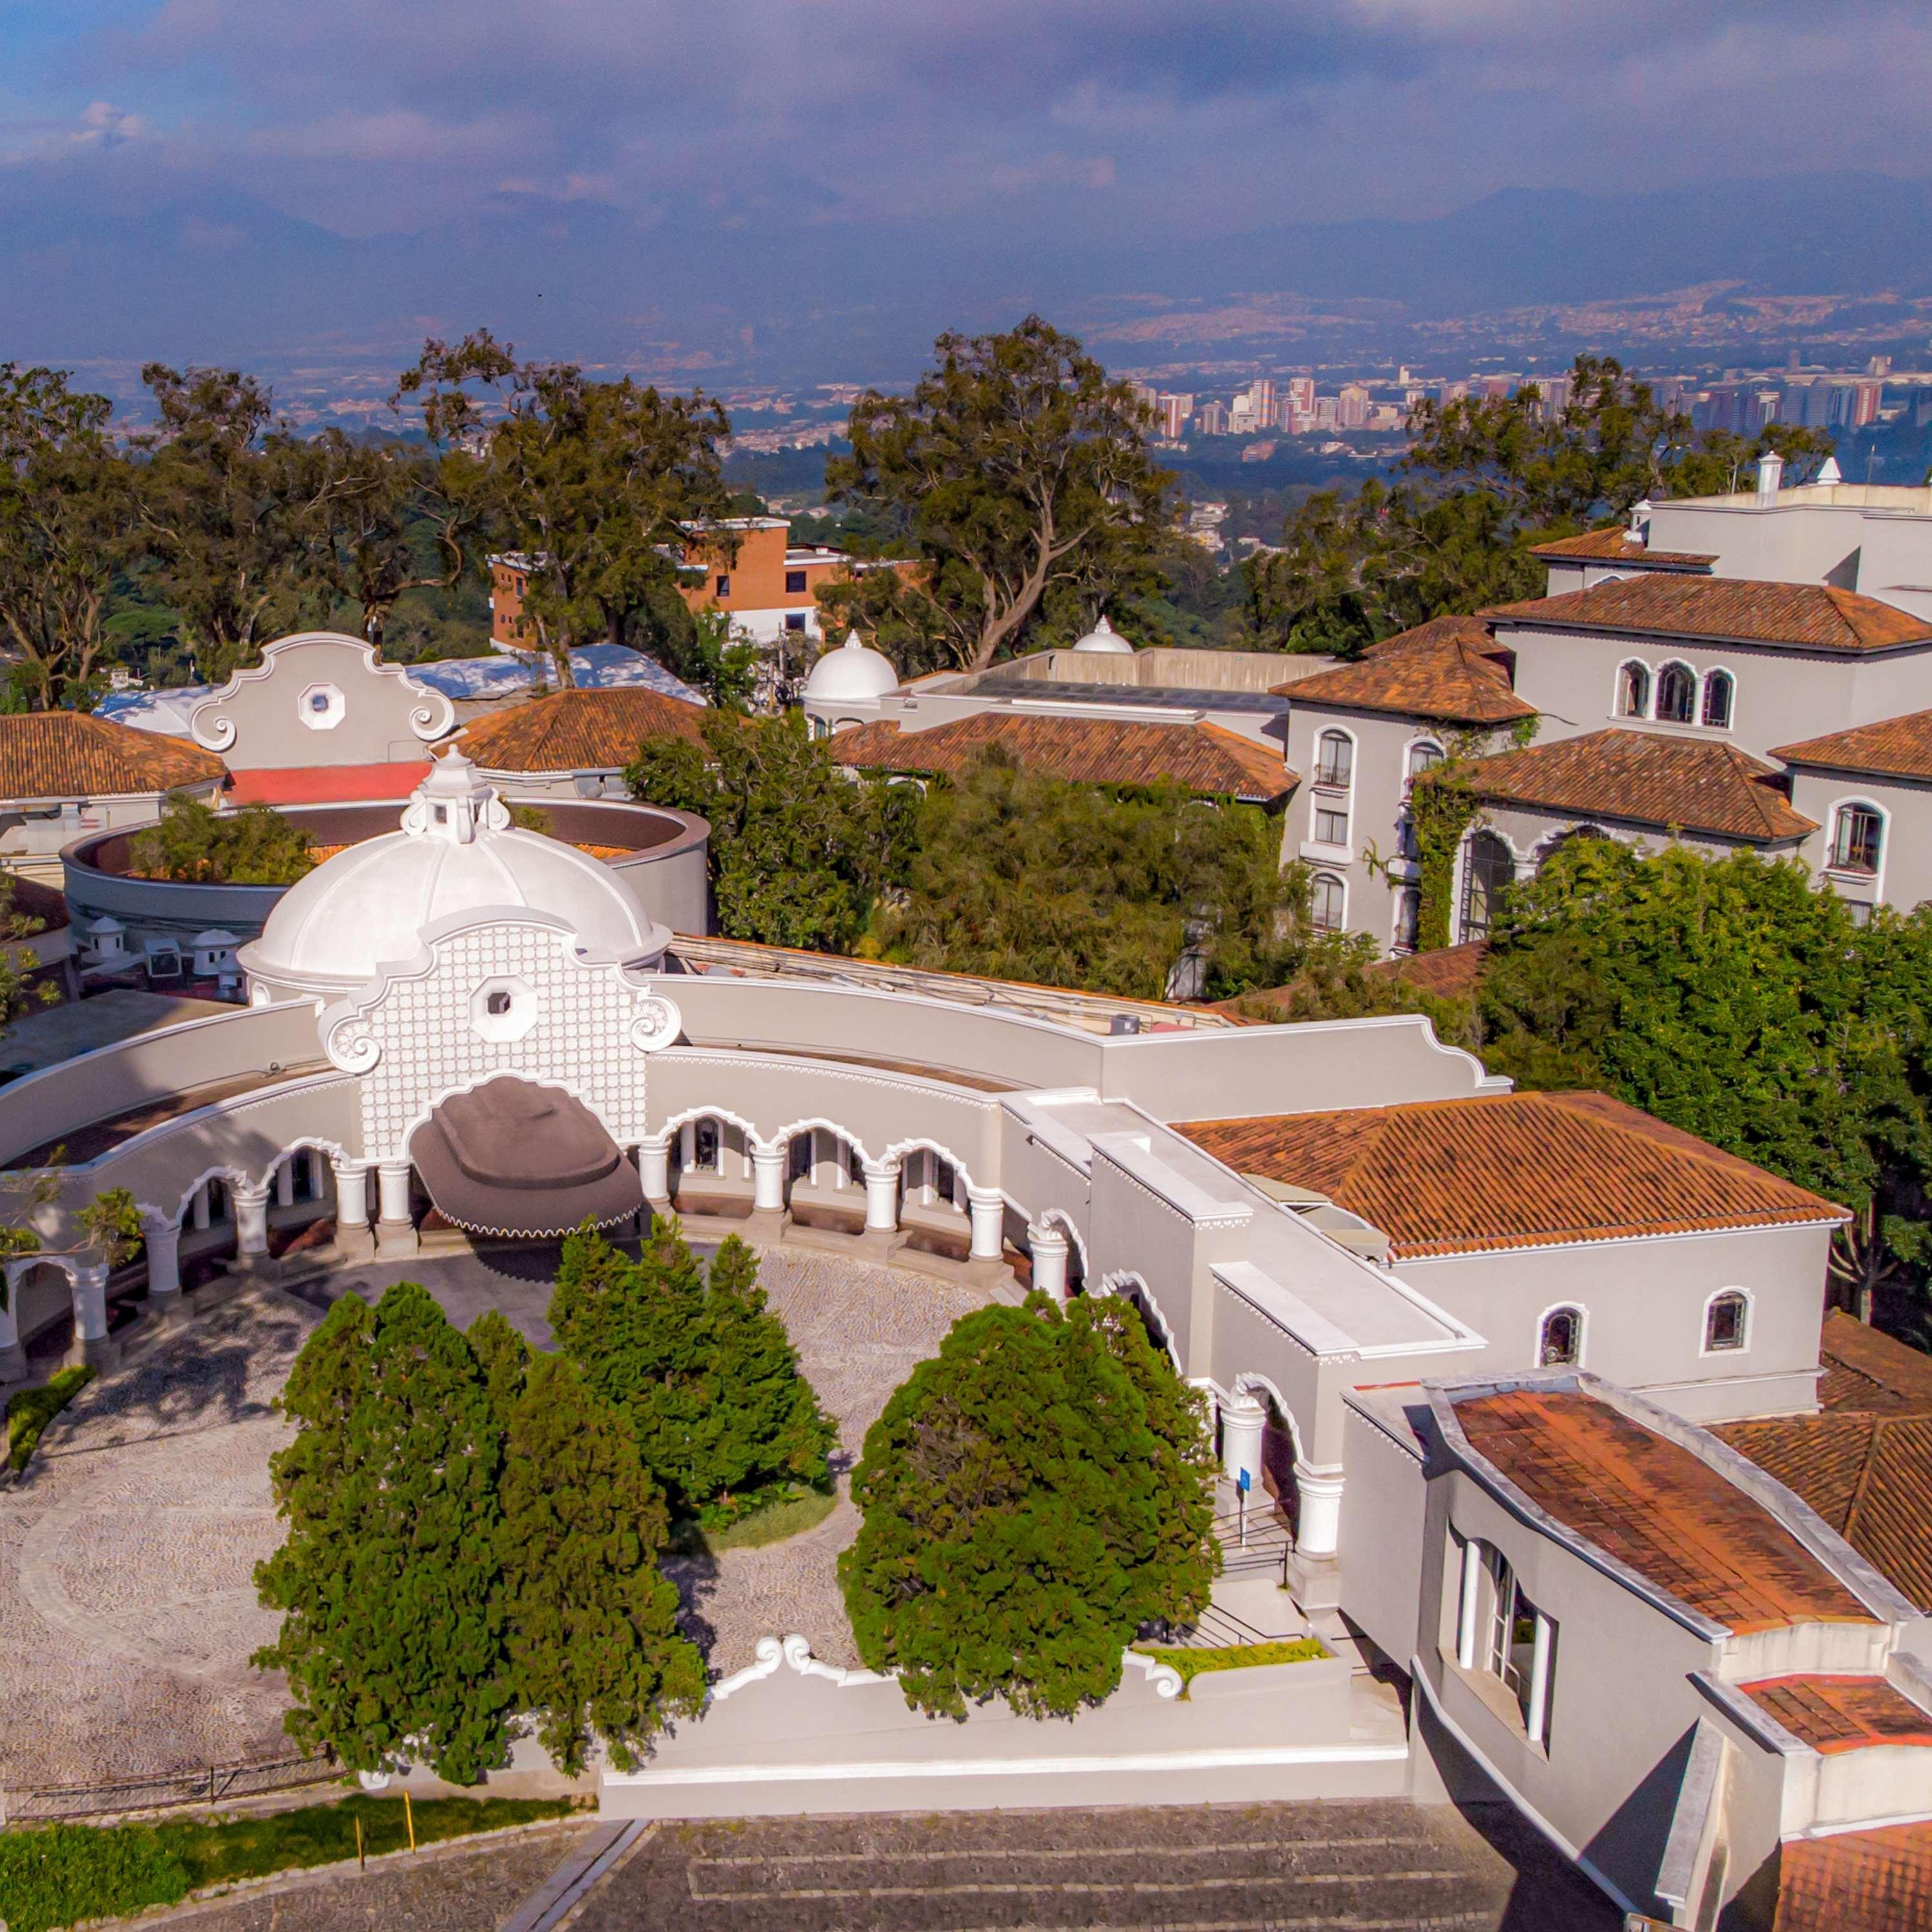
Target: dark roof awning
x,y
511,1157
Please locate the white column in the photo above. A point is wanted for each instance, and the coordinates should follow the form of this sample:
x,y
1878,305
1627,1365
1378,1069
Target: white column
x,y
841,1178
987,1207
163,1241
882,1196
1539,1680
285,1183
198,1212
352,1192
12,1357
1465,1606
89,1288
687,1146
1243,1420
392,1189
1049,1246
654,1168
768,1179
1318,1494
251,1220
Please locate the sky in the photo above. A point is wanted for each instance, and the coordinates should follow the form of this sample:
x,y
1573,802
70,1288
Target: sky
x,y
240,154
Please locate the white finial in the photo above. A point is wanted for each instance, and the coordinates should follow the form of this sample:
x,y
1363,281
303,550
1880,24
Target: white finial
x,y
454,803
854,642
1830,473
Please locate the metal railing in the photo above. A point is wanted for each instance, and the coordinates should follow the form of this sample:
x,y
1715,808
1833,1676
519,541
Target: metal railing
x,y
47,1803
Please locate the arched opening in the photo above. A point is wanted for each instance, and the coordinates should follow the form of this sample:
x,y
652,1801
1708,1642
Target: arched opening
x,y
1334,760
711,1168
935,1211
1424,755
1727,1322
1328,903
1676,693
1633,690
1489,869
826,1175
1858,839
1719,690
1559,1340
1569,837
1407,919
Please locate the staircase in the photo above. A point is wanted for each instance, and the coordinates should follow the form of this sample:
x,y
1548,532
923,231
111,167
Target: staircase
x,y
1264,1553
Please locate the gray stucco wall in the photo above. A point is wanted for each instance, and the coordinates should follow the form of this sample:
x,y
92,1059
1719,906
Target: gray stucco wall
x,y
1905,862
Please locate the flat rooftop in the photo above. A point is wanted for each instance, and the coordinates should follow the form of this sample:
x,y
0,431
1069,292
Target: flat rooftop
x,y
1652,1504
1841,1714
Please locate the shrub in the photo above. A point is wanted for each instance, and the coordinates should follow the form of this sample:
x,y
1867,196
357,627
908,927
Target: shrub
x,y
29,1412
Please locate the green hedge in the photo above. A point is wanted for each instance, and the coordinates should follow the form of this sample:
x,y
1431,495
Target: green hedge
x,y
1192,1664
29,1412
54,1875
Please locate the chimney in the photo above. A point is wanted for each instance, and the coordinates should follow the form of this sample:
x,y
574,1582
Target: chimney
x,y
1770,471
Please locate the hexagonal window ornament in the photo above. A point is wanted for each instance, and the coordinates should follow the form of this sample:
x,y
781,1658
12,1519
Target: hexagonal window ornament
x,y
321,707
503,1008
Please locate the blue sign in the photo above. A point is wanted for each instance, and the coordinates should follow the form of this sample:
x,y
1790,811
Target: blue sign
x,y
1245,1482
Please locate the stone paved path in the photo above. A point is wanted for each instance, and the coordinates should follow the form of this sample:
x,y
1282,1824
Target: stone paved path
x,y
1381,1864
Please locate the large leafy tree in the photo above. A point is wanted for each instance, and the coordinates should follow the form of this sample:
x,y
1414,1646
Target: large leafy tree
x,y
1733,998
703,1372
1117,888
1032,1495
798,853
191,841
223,513
592,1634
64,493
1013,469
1486,479
597,485
392,1630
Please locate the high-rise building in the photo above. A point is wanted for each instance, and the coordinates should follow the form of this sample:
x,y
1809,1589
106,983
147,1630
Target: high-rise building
x,y
1261,396
1211,419
1352,406
1145,394
1174,411
1556,392
1300,400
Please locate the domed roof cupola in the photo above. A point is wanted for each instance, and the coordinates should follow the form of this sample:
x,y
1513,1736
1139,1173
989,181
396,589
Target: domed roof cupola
x,y
853,674
456,857
1104,640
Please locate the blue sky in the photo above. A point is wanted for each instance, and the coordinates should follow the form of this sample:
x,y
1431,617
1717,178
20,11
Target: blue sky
x,y
750,134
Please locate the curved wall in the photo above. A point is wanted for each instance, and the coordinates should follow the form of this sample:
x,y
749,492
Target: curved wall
x,y
659,853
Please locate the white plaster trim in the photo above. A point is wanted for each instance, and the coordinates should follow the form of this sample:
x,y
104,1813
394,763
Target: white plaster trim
x,y
1583,1315
1399,1260
1876,878
1249,1380
431,719
1705,1351
898,1150
1049,1215
1117,1282
1235,1758
795,1651
314,1082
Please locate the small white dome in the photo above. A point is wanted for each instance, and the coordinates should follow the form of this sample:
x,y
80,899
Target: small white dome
x,y
1104,639
456,852
853,674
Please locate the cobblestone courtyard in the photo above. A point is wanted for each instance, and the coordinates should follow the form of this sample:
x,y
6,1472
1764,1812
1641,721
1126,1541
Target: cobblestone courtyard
x,y
128,1610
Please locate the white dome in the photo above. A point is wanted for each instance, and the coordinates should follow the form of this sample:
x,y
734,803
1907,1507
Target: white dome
x,y
456,852
853,674
1103,638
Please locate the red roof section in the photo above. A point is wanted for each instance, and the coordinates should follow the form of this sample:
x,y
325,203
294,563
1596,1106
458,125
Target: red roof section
x,y
1893,747
1841,1714
1449,670
326,784
1857,1882
1616,546
1653,1505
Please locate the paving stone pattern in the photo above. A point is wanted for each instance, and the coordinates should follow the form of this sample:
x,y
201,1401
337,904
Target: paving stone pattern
x,y
1381,1864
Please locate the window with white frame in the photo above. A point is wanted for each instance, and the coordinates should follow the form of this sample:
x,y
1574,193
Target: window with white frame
x,y
1424,755
706,1145
1331,824
1327,901
1719,691
1334,759
1559,1341
1726,1322
1857,837
1676,693
1407,919
1489,869
1501,1633
1633,690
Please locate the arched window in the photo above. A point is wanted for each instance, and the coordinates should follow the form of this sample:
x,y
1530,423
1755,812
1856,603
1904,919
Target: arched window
x,y
1407,919
1423,756
1334,758
1326,903
1677,694
1718,690
1488,868
1559,1342
1570,838
1633,690
1857,836
1726,1317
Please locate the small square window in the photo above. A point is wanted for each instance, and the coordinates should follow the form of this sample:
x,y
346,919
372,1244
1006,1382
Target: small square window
x,y
1331,828
724,587
443,815
794,583
794,620
497,1003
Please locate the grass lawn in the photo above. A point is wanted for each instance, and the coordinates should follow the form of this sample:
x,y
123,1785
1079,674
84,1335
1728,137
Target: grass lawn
x,y
792,1517
56,1874
29,1412
1193,1663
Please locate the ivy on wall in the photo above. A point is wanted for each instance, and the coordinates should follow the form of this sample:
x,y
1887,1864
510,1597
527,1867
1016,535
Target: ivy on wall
x,y
1442,805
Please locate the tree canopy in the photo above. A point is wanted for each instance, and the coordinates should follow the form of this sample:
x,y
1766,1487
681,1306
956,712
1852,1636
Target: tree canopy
x,y
1015,470
704,1373
1032,1495
256,846
1486,479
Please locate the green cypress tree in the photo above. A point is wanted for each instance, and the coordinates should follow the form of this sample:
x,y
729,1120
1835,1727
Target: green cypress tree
x,y
502,1361
1032,1495
593,1639
392,1626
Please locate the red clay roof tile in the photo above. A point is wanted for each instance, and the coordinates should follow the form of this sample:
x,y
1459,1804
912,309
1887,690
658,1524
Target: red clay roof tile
x,y
1730,610
1892,748
1615,546
1449,670
578,730
71,755
1841,1714
1877,1881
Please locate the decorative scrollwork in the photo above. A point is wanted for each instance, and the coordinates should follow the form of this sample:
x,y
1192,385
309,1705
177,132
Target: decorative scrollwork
x,y
657,1024
431,720
216,733
352,1047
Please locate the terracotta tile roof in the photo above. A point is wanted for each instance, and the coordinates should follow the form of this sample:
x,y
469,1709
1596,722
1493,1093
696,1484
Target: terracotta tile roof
x,y
1450,972
1509,1171
1856,1881
578,730
1729,609
1841,1714
1646,779
1652,1504
1893,747
1615,546
1450,669
1206,758
68,754
1865,1464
